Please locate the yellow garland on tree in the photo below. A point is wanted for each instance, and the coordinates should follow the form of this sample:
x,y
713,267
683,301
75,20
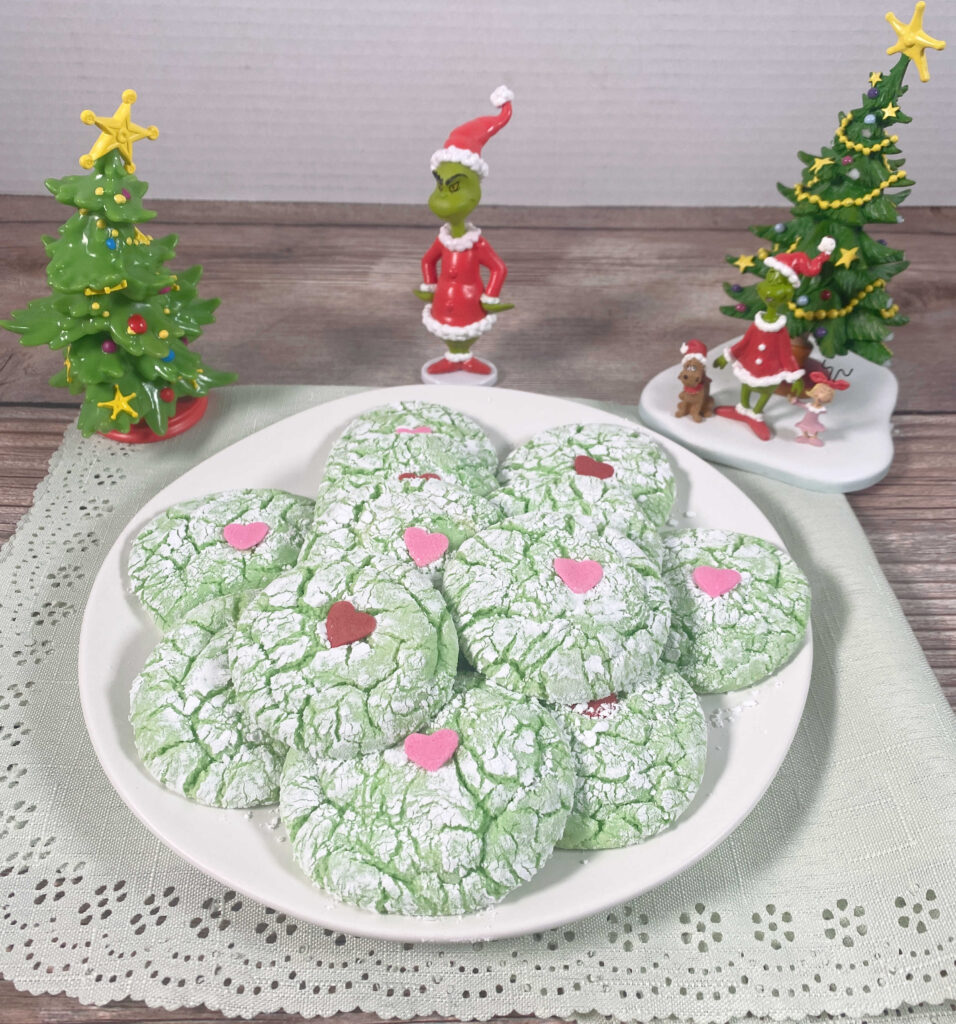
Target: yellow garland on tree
x,y
890,140
833,314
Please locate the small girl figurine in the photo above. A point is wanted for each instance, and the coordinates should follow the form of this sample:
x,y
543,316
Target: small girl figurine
x,y
820,395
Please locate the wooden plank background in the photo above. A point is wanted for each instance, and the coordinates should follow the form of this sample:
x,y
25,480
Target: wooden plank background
x,y
321,294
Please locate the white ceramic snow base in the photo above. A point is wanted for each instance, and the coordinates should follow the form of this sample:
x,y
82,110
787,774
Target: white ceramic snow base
x,y
460,379
857,440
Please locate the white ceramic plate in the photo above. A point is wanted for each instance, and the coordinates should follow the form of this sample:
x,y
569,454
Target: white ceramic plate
x,y
750,731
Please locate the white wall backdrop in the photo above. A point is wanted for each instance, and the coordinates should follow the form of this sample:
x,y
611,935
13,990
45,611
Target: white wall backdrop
x,y
618,102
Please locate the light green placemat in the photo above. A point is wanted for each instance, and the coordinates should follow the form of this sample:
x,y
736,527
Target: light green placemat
x,y
833,897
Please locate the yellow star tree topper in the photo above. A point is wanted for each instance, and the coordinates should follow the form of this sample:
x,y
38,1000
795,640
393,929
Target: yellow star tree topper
x,y
912,41
116,132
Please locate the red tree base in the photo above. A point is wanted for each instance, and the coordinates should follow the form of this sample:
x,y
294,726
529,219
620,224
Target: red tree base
x,y
757,426
189,411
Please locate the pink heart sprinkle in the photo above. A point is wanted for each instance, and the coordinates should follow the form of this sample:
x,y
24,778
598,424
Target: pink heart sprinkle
x,y
414,430
243,536
433,750
580,576
425,547
716,582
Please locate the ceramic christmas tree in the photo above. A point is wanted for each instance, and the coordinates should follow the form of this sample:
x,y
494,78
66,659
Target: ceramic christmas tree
x,y
460,307
855,181
123,321
818,309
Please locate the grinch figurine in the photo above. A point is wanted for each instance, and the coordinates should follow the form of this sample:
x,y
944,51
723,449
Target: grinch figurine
x,y
763,358
460,307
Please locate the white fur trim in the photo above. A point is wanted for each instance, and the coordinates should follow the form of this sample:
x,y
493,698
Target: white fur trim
x,y
788,273
427,287
749,413
827,244
769,326
501,96
455,155
461,244
458,357
746,377
490,299
448,332
695,357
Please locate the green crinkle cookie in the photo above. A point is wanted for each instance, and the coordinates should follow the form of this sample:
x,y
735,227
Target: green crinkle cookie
x,y
183,558
419,528
189,730
728,642
524,627
604,470
356,463
403,417
639,761
383,833
364,694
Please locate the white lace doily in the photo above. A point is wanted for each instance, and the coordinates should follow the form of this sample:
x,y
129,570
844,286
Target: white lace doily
x,y
833,897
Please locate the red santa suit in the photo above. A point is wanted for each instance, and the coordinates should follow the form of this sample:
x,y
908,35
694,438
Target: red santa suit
x,y
763,357
451,269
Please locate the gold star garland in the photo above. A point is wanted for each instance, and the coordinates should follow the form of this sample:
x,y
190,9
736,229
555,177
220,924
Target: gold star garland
x,y
834,314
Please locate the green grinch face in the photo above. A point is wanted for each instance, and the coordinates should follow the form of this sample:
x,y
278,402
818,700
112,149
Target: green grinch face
x,y
775,291
457,192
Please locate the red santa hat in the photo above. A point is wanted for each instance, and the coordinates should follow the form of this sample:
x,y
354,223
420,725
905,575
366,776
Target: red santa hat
x,y
693,349
464,144
793,264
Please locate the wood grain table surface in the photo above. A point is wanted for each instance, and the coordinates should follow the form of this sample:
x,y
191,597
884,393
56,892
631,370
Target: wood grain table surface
x,y
315,293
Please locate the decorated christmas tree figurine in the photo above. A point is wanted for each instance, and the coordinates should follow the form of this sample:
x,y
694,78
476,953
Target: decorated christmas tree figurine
x,y
122,320
855,181
460,307
763,358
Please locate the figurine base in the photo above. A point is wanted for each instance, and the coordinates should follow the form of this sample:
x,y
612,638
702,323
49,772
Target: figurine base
x,y
857,442
189,411
460,379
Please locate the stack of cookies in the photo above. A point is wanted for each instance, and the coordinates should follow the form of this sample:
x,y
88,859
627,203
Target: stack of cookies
x,y
443,670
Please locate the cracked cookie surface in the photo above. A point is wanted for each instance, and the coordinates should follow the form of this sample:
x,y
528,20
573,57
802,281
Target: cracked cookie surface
x,y
383,833
731,641
602,469
182,558
638,760
362,695
190,731
524,627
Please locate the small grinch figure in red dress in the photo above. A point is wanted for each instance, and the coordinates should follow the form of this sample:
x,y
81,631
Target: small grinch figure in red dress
x,y
763,358
460,306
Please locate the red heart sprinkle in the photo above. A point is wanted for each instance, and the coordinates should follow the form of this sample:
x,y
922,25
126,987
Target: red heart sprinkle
x,y
414,430
418,476
716,582
584,465
431,751
600,708
243,536
344,625
579,575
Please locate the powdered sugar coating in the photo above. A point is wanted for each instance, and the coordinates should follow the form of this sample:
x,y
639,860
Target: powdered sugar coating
x,y
387,419
638,764
360,462
188,727
181,559
733,641
540,475
525,629
347,700
380,524
381,833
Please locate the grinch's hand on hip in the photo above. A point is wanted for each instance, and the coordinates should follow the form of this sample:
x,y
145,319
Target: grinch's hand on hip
x,y
496,307
423,295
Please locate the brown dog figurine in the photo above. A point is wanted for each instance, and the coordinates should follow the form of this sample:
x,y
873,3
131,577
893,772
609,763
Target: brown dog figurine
x,y
694,400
